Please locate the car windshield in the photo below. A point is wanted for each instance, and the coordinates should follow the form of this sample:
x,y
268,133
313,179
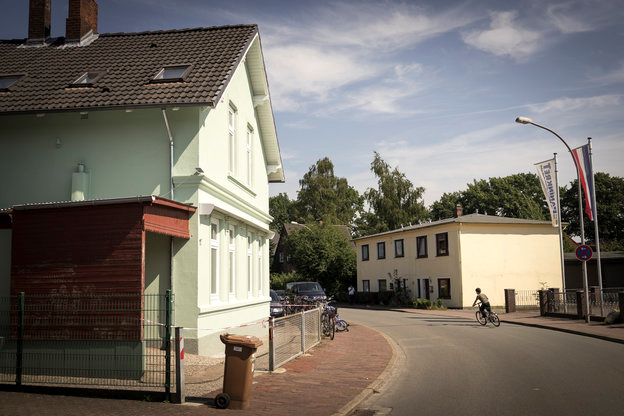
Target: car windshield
x,y
274,297
309,287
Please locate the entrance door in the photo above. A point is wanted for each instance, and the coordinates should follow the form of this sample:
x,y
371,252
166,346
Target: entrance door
x,y
427,296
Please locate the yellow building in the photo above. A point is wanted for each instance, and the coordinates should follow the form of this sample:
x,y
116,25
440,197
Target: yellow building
x,y
448,259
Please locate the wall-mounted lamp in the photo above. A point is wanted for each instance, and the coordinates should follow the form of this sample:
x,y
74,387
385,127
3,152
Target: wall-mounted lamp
x,y
84,115
58,143
199,171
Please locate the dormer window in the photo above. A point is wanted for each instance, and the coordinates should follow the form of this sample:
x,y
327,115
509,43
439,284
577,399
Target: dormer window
x,y
6,81
172,73
87,79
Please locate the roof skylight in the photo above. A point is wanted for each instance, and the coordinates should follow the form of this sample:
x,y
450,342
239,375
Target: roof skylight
x,y
88,78
6,81
172,73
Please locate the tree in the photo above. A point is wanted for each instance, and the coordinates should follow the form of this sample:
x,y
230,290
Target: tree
x,y
325,197
323,253
610,204
281,208
394,203
515,196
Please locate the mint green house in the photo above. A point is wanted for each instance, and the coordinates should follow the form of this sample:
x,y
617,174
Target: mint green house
x,y
171,132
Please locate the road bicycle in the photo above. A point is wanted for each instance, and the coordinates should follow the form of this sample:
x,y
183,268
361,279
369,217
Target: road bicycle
x,y
489,317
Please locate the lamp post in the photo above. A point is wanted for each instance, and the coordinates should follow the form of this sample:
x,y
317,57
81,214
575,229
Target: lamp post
x,y
526,120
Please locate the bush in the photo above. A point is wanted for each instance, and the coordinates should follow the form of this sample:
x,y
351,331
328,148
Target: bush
x,y
279,280
422,303
386,296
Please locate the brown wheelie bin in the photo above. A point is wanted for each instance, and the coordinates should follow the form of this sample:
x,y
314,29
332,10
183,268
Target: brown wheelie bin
x,y
238,372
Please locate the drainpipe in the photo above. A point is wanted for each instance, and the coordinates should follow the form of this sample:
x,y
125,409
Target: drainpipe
x,y
164,113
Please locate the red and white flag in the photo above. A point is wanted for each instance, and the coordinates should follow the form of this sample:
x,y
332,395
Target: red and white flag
x,y
583,161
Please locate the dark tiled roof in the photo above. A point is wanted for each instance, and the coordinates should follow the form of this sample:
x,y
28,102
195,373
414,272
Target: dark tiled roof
x,y
131,61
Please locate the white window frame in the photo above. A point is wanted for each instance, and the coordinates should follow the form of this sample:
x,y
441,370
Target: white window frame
x,y
249,263
214,268
249,154
232,260
232,140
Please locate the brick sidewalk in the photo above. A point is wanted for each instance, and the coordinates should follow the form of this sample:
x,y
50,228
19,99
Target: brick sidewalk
x,y
323,382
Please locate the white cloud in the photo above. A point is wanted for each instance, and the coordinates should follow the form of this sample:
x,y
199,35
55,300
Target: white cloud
x,y
323,59
615,76
567,23
577,105
505,37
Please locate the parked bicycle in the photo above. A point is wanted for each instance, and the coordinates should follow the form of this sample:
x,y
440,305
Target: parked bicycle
x,y
328,321
488,317
341,324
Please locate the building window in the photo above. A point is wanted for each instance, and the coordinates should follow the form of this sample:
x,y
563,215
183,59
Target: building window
x,y
6,81
214,260
232,140
382,285
381,250
88,78
365,252
249,154
172,73
421,247
442,244
281,257
398,248
365,285
232,259
249,263
444,288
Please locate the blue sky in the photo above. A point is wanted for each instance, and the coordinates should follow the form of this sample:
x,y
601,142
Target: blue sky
x,y
434,86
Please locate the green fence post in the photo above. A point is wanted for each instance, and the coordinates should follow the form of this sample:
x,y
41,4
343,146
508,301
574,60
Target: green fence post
x,y
19,356
168,344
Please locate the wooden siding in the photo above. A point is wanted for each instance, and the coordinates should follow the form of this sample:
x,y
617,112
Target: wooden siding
x,y
83,249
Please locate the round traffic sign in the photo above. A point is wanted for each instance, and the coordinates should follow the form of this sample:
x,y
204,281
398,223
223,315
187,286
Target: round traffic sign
x,y
584,252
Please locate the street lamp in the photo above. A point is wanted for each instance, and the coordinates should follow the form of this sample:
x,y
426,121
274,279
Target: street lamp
x,y
526,120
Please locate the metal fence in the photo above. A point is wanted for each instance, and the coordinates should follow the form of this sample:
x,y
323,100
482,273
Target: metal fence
x,y
96,341
527,299
292,336
598,306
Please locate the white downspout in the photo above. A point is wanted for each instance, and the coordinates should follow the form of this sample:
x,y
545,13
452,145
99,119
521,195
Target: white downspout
x,y
164,113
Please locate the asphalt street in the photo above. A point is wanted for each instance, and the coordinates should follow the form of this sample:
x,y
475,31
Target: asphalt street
x,y
450,365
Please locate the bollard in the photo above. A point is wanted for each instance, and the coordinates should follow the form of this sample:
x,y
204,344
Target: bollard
x,y
180,392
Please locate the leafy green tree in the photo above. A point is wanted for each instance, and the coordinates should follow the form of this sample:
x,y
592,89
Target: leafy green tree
x,y
515,196
325,197
281,208
395,202
610,203
323,253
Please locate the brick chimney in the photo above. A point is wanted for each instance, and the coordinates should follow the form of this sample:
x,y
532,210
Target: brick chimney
x,y
458,211
39,20
82,18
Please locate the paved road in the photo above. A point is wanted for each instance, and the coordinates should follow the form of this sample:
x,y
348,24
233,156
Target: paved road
x,y
454,366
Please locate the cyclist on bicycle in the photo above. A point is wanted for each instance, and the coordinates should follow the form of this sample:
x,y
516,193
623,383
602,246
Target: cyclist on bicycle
x,y
485,302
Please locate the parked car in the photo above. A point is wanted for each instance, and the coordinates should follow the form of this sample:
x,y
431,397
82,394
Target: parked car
x,y
277,309
310,290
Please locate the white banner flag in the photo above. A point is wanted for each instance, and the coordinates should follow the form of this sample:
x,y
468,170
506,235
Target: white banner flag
x,y
548,180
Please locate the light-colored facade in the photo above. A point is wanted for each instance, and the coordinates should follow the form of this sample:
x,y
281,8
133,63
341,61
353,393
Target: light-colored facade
x,y
448,259
220,276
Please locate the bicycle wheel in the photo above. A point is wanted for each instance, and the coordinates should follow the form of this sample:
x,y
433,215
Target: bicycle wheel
x,y
325,324
341,325
332,327
494,319
480,318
